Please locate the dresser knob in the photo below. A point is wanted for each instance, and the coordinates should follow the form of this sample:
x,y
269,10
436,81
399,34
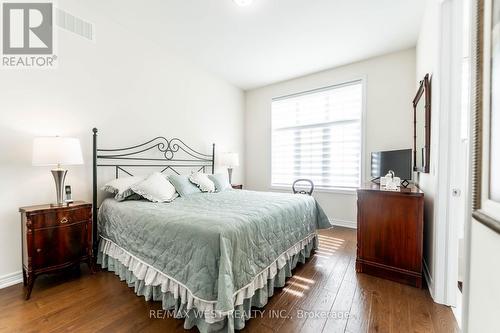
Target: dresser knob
x,y
38,250
64,220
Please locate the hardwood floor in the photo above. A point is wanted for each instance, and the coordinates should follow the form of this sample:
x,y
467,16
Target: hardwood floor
x,y
326,285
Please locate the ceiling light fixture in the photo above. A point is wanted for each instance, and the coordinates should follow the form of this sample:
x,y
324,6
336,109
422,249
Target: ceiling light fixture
x,y
243,3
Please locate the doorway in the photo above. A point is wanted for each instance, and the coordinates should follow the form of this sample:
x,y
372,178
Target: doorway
x,y
459,196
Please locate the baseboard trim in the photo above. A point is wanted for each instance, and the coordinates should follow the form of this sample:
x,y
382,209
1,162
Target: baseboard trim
x,y
428,279
344,223
8,280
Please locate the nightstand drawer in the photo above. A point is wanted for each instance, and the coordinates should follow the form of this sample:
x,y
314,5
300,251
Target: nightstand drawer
x,y
58,246
60,217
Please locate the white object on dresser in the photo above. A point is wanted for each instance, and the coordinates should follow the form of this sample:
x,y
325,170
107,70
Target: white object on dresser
x,y
390,182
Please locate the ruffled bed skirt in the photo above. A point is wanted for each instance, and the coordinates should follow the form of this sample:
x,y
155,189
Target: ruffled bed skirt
x,y
177,298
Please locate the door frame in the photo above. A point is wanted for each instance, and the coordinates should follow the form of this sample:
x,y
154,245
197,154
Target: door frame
x,y
446,229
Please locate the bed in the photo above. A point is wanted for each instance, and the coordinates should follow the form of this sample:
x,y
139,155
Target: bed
x,y
208,257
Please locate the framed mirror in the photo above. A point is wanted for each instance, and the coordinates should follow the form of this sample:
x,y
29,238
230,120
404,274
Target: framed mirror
x,y
422,127
486,116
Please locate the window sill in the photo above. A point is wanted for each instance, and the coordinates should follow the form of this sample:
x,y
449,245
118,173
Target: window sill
x,y
333,190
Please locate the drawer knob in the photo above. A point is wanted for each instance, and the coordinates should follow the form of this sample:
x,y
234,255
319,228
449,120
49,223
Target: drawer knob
x,y
64,220
38,250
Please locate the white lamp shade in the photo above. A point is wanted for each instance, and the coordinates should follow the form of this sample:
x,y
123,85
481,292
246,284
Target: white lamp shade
x,y
56,151
243,3
229,159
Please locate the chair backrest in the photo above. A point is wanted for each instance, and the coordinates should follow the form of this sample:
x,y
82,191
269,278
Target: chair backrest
x,y
295,190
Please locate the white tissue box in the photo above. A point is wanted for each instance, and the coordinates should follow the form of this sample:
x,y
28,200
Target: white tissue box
x,y
385,180
390,183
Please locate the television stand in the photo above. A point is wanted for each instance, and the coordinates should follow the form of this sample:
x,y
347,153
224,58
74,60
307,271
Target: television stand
x,y
390,233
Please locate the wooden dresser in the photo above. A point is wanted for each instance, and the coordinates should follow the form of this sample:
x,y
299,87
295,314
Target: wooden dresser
x,y
390,233
54,238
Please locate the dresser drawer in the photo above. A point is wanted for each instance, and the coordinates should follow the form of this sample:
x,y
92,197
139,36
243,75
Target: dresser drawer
x,y
60,217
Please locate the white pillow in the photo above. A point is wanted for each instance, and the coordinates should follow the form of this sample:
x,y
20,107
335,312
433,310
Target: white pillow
x,y
155,188
202,181
120,187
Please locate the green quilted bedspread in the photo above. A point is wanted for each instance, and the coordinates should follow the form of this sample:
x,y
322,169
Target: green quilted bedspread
x,y
213,243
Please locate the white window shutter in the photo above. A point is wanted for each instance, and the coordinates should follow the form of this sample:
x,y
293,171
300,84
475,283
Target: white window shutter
x,y
317,135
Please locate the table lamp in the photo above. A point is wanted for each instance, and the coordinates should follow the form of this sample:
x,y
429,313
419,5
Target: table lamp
x,y
57,151
230,160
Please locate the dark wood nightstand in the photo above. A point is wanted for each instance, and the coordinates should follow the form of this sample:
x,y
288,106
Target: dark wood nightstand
x,y
55,237
237,186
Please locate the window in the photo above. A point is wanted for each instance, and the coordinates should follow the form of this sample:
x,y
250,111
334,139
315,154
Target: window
x,y
317,135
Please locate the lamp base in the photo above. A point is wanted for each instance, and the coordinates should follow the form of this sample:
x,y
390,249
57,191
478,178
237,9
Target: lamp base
x,y
55,205
59,178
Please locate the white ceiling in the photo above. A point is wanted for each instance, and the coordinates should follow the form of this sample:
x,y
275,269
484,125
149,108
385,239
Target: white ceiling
x,y
273,40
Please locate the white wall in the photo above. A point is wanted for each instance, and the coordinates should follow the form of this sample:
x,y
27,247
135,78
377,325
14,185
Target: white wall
x,y
390,88
128,87
482,288
484,293
427,61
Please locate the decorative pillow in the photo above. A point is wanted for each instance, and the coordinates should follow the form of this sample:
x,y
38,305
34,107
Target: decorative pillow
x,y
155,188
202,181
182,185
120,187
221,182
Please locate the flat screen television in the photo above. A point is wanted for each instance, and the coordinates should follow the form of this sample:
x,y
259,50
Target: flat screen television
x,y
398,161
